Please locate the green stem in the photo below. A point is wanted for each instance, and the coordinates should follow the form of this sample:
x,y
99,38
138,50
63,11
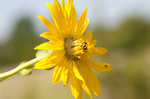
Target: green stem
x,y
20,67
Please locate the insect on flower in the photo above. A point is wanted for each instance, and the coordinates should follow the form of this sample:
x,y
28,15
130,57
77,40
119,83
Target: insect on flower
x,y
71,50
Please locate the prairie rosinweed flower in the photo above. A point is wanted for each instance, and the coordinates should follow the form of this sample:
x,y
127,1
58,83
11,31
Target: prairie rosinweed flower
x,y
71,50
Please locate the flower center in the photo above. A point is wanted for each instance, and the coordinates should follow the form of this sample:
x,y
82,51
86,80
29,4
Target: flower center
x,y
75,48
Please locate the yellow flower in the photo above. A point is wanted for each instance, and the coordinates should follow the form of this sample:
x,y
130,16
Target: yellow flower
x,y
71,50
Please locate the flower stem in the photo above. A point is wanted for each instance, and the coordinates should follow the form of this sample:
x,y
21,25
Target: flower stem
x,y
20,67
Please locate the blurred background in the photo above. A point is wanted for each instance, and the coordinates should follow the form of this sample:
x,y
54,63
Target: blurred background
x,y
121,26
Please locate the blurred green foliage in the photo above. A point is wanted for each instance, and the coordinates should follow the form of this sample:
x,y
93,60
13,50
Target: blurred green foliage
x,y
132,34
20,46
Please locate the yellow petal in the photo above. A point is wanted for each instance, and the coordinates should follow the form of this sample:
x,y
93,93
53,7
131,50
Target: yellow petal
x,y
57,15
83,17
71,13
88,36
85,25
65,73
58,70
95,51
65,76
90,79
45,63
50,46
73,19
49,61
76,71
100,66
85,87
69,6
44,46
64,9
83,22
49,36
76,88
79,76
51,27
57,74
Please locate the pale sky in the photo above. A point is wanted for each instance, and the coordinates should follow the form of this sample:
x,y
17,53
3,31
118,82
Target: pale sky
x,y
108,12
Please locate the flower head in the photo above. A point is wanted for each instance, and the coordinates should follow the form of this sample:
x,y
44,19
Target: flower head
x,y
71,50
